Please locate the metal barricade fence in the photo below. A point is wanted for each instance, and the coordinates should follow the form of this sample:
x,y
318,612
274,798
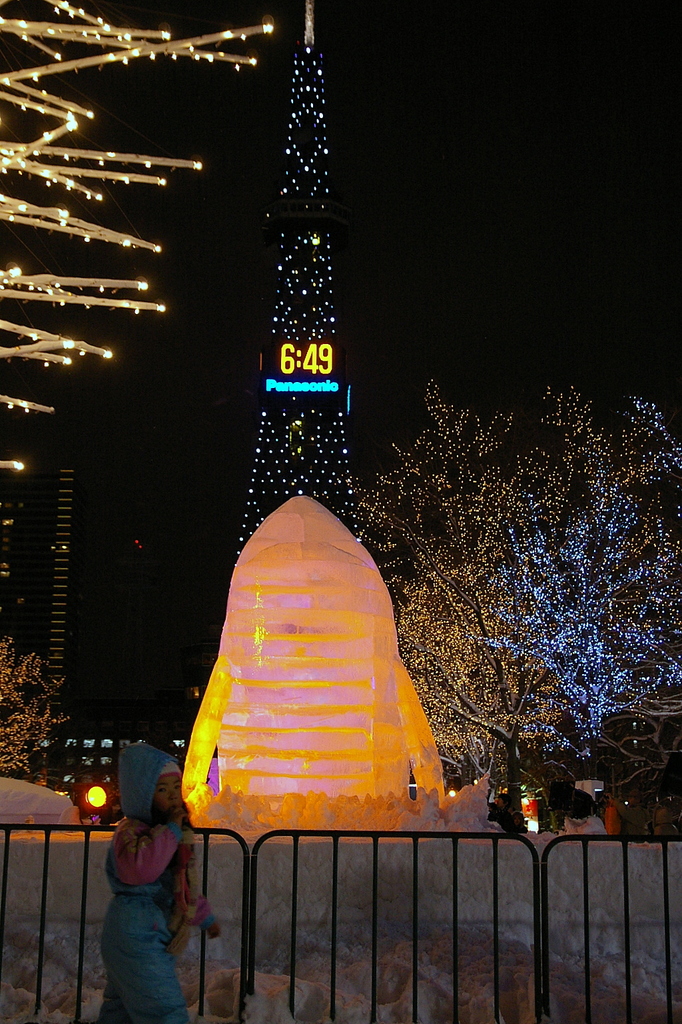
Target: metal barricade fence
x,y
605,919
400,874
46,881
453,842
46,831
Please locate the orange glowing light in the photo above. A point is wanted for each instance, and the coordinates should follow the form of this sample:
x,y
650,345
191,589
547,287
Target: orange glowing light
x,y
309,694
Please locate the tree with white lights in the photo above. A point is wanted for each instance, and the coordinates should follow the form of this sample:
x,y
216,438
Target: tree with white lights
x,y
440,519
466,524
28,712
44,157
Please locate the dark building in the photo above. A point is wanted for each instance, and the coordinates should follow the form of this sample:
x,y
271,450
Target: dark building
x,y
98,729
304,397
197,662
41,567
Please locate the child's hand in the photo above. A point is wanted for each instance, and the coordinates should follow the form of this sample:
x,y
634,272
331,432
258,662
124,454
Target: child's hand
x,y
178,815
213,930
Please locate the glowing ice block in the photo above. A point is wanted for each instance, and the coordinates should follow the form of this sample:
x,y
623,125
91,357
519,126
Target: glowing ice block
x,y
309,693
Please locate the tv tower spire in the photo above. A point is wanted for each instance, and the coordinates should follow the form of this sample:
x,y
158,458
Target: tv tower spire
x,y
309,38
304,396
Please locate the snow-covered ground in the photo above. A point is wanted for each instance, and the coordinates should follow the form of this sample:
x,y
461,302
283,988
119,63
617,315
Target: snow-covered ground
x,y
269,1004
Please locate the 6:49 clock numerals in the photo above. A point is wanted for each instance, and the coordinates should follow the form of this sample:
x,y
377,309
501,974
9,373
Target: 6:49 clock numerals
x,y
318,358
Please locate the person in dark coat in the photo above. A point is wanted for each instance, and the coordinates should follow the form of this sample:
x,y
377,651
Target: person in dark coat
x,y
500,811
519,822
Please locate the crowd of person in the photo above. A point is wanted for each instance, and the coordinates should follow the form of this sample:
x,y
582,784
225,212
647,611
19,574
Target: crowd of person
x,y
621,817
631,817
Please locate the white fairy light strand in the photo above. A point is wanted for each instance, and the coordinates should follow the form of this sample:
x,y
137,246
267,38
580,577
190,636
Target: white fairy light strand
x,y
71,167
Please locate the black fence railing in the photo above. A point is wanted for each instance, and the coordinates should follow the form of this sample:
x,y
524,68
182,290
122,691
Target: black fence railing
x,y
407,887
49,877
390,897
611,931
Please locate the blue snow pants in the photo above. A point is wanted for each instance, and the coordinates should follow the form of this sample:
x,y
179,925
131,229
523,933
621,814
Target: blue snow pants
x,y
142,986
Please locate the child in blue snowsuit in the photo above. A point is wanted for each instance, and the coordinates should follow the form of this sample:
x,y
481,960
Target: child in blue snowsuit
x,y
150,867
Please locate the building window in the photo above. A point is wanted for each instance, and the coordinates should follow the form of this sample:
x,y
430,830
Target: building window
x,y
88,743
72,742
124,743
107,743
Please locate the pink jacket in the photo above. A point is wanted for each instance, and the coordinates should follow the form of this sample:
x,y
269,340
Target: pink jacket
x,y
141,856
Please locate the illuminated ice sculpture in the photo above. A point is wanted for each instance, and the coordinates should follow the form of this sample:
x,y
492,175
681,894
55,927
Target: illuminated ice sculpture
x,y
309,694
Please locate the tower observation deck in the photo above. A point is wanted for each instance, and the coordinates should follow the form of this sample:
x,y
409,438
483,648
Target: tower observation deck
x,y
304,397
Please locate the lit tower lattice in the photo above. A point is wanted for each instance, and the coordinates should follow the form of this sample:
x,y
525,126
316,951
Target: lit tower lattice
x,y
302,445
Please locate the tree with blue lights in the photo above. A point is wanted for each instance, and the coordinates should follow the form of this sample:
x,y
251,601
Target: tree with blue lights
x,y
598,603
534,571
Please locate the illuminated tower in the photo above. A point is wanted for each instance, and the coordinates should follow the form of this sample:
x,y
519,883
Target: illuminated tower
x,y
304,399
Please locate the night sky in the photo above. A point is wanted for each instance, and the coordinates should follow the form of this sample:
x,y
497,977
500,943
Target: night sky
x,y
514,175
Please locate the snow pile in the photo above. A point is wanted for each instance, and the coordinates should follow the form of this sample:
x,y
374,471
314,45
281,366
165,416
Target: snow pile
x,y
394,985
592,826
22,803
269,1004
254,815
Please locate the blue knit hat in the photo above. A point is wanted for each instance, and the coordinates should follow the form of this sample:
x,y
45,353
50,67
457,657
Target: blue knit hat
x,y
139,767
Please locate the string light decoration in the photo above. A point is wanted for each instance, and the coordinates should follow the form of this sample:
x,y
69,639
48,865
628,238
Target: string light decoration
x,y
46,159
28,715
600,601
455,520
302,446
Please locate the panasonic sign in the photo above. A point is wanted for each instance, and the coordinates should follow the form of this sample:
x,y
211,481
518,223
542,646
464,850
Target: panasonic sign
x,y
300,385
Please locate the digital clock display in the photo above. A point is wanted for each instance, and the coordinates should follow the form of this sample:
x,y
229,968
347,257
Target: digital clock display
x,y
315,358
314,367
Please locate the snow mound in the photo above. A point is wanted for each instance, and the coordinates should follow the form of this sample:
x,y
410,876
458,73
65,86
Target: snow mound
x,y
592,826
253,815
22,802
